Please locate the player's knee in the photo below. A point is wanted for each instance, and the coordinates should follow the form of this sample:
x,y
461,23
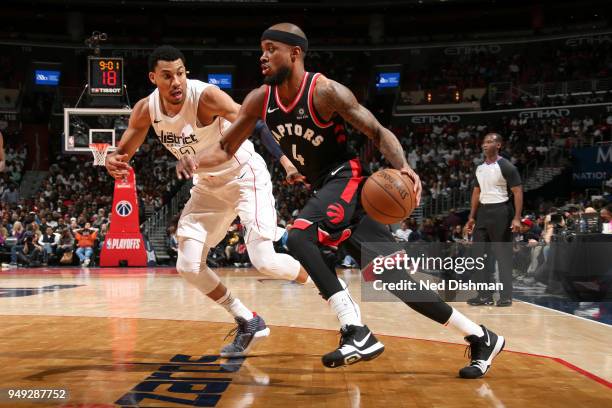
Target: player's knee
x,y
188,269
263,257
297,238
266,267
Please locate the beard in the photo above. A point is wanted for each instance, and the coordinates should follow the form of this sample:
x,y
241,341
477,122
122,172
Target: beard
x,y
278,78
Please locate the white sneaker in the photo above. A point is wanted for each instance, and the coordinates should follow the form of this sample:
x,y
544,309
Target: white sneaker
x,y
86,262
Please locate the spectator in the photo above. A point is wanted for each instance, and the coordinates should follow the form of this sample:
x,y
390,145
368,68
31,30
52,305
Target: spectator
x,y
606,213
11,195
65,247
458,234
49,241
31,254
402,234
3,236
85,241
527,231
19,234
606,219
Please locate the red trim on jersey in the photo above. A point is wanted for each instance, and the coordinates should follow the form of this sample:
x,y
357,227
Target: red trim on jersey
x,y
255,191
301,224
353,184
324,238
265,107
297,97
311,109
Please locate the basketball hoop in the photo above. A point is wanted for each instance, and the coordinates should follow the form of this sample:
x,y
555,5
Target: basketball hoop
x,y
99,151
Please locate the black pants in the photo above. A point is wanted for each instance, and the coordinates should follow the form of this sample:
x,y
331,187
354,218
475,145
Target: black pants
x,y
493,230
334,216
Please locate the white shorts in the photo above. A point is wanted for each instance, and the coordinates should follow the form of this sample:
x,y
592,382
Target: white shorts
x,y
215,203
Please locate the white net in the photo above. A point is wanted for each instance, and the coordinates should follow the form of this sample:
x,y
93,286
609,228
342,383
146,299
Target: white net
x,y
99,151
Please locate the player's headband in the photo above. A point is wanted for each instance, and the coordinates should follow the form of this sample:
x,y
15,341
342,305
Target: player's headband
x,y
286,38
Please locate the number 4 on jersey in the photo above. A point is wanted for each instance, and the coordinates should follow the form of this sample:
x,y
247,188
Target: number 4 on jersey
x,y
296,156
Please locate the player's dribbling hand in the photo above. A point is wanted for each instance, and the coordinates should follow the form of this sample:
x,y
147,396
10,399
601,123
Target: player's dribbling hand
x,y
117,166
186,166
416,180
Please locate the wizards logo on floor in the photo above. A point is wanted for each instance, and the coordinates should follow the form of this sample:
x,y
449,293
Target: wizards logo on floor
x,y
20,292
185,380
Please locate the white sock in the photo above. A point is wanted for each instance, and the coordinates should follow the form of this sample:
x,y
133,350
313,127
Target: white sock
x,y
346,310
464,325
235,306
345,287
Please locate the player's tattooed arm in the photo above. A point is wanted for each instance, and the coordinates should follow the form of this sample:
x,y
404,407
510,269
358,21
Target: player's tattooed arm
x,y
331,97
134,136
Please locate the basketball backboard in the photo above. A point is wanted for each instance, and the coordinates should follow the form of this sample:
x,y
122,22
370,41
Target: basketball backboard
x,y
84,126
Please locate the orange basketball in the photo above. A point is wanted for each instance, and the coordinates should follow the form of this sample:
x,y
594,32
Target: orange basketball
x,y
388,197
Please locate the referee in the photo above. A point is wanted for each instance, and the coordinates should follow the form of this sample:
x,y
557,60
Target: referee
x,y
492,218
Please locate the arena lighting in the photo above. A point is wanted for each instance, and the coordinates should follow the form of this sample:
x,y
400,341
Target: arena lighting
x,y
93,42
428,97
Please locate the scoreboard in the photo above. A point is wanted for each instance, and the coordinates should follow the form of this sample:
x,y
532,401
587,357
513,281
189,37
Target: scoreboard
x,y
105,76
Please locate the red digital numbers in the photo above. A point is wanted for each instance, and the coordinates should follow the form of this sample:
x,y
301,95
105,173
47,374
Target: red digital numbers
x,y
109,78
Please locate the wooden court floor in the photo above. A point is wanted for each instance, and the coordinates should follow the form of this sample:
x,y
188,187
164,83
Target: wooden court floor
x,y
144,338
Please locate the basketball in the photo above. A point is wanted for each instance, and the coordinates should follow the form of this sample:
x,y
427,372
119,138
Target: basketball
x,y
388,197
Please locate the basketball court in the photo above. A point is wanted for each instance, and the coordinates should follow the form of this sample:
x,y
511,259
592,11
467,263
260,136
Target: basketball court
x,y
143,337
124,334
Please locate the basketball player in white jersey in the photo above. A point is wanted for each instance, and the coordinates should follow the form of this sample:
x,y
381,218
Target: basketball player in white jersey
x,y
187,116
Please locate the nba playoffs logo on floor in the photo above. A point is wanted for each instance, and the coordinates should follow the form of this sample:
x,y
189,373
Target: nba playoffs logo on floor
x,y
123,208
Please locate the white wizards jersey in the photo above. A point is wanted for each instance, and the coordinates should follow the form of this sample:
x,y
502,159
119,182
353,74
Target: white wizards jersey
x,y
183,133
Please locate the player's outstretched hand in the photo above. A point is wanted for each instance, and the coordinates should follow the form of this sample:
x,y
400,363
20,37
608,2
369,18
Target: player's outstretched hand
x,y
416,180
117,166
297,178
186,166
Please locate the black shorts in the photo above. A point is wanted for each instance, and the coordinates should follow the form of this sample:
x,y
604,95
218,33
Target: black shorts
x,y
336,211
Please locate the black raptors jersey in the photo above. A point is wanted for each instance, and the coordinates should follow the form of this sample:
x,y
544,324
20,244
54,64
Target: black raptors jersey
x,y
315,147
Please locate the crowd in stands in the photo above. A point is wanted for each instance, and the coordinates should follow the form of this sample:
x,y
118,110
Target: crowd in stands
x,y
478,69
445,155
15,157
525,101
67,218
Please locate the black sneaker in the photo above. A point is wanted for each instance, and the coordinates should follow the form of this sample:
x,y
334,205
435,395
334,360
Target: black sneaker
x,y
481,301
482,351
248,332
356,343
504,303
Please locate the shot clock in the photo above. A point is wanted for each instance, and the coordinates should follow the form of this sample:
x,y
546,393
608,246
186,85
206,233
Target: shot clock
x,y
105,76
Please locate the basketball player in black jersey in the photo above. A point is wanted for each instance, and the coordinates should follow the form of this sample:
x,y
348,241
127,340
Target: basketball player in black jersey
x,y
306,113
